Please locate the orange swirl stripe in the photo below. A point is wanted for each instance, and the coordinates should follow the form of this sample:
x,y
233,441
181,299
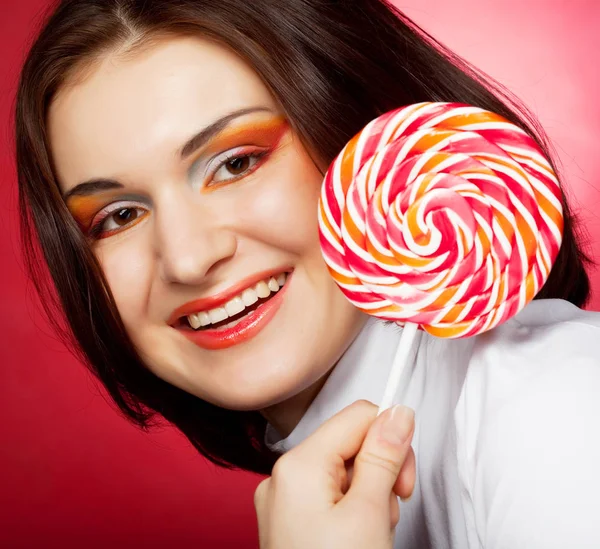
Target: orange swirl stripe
x,y
441,214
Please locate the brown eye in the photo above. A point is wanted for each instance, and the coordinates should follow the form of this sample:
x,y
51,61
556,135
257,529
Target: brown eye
x,y
115,221
125,216
238,165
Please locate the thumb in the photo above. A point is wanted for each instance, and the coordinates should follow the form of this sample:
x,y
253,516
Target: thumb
x,y
382,455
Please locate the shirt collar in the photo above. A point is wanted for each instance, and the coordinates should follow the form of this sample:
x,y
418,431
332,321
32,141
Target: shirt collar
x,y
361,374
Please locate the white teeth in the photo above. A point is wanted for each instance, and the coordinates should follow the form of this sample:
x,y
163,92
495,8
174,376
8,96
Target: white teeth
x,y
204,318
249,297
194,321
217,315
262,290
235,306
273,286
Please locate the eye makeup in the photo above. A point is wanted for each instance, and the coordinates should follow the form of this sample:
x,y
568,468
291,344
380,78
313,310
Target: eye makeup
x,y
251,142
254,140
92,212
264,132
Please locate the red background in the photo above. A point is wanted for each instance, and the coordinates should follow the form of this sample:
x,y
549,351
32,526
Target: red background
x,y
73,473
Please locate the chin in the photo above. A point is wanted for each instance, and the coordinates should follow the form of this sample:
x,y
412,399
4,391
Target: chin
x,y
267,390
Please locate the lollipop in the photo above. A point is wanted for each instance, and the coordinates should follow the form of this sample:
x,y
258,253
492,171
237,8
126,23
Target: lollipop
x,y
440,216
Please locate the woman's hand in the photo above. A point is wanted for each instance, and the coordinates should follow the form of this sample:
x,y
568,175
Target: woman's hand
x,y
314,500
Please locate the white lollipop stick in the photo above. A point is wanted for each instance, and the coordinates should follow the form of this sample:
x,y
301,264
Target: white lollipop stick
x,y
407,338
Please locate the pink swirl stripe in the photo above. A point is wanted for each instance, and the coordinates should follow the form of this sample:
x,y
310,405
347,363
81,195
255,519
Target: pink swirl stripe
x,y
443,215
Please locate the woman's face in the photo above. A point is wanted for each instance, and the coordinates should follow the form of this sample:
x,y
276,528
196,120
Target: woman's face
x,y
200,201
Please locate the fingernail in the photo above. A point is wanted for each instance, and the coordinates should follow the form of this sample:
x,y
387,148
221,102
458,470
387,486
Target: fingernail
x,y
398,425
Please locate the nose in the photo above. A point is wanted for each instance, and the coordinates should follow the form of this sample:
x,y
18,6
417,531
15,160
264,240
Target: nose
x,y
190,242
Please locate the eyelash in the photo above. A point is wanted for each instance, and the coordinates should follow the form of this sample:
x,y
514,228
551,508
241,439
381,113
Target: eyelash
x,y
259,156
97,231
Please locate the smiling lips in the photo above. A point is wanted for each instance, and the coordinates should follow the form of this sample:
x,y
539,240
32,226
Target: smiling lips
x,y
251,304
239,303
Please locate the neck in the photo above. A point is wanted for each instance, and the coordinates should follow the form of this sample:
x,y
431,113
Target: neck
x,y
285,415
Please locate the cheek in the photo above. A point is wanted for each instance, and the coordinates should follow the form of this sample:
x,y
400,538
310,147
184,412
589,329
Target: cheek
x,y
127,270
285,213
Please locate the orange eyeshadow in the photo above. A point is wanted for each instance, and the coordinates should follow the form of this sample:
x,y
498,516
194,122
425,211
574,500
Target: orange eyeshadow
x,y
263,133
84,208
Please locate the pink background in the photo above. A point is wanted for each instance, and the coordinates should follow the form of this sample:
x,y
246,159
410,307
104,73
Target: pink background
x,y
72,473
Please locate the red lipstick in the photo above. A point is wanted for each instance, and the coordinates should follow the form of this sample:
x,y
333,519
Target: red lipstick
x,y
246,328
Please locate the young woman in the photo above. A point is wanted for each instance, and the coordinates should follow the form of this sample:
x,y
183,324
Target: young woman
x,y
170,155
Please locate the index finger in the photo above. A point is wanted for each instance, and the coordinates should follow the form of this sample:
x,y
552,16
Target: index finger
x,y
342,435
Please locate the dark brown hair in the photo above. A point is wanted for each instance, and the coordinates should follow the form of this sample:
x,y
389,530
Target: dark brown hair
x,y
332,65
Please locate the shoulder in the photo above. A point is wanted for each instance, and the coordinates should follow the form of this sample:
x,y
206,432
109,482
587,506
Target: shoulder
x,y
550,348
528,426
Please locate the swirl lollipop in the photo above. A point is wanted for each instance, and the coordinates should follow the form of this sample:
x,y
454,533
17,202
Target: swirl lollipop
x,y
441,216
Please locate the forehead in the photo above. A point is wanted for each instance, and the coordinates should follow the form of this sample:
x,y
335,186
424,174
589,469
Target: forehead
x,y
127,111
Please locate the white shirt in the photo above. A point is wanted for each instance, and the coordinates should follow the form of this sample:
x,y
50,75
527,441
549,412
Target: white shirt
x,y
507,437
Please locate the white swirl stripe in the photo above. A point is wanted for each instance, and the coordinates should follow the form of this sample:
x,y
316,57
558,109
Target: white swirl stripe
x,y
443,215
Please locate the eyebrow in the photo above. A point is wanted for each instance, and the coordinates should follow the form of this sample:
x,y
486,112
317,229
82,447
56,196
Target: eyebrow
x,y
197,141
91,187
